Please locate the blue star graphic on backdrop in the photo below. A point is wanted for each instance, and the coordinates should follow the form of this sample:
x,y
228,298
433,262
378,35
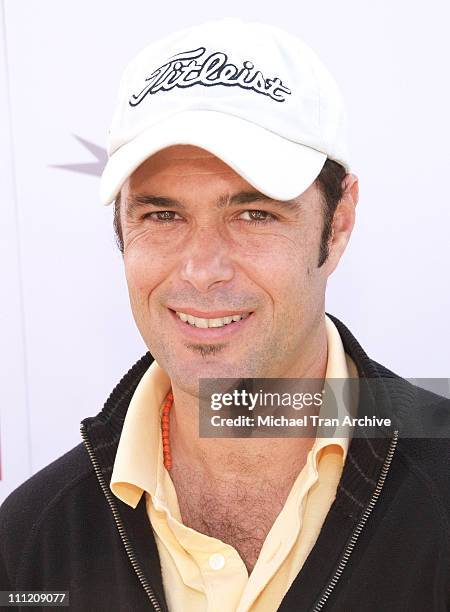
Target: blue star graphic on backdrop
x,y
95,168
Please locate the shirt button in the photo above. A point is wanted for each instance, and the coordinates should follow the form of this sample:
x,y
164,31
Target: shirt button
x,y
216,561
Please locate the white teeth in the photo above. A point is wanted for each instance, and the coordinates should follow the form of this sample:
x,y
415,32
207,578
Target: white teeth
x,y
204,323
215,322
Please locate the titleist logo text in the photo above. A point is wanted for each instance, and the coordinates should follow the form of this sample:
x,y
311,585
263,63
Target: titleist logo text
x,y
194,67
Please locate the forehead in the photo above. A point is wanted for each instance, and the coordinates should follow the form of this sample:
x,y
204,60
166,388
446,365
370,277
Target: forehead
x,y
181,162
192,175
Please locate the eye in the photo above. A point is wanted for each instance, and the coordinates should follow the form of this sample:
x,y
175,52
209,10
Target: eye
x,y
161,216
258,217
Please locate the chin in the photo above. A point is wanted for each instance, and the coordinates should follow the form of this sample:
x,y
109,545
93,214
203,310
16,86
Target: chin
x,y
186,362
186,375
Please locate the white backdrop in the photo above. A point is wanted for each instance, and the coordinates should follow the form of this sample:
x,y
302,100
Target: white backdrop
x,y
66,329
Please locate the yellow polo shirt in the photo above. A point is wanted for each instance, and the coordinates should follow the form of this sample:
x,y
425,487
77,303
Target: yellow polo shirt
x,y
201,573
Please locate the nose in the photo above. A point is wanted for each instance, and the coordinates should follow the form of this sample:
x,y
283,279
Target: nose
x,y
206,261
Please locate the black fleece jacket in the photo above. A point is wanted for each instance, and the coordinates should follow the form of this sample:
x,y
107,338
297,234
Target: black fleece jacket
x,y
384,545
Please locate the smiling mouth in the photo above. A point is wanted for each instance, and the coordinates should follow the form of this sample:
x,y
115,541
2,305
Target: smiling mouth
x,y
205,323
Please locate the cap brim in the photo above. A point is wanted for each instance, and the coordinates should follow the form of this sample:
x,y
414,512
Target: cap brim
x,y
279,168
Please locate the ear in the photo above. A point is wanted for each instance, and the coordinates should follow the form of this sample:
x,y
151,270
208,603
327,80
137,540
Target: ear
x,y
343,221
350,186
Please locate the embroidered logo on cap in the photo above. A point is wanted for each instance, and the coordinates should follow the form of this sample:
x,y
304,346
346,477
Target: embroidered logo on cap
x,y
194,67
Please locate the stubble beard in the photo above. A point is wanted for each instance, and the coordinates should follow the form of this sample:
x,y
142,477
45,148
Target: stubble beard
x,y
206,350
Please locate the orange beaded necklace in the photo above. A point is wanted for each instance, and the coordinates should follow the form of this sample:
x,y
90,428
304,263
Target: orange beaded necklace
x,y
165,420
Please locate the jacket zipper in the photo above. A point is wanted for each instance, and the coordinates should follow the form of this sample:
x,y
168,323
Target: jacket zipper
x,y
120,526
359,527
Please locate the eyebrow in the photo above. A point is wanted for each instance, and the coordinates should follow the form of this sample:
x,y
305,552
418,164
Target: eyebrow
x,y
139,201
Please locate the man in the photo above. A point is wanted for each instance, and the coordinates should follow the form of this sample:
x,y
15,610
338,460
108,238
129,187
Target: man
x,y
233,205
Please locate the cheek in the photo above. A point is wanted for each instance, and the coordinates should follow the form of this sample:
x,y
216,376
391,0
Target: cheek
x,y
142,273
283,265
291,278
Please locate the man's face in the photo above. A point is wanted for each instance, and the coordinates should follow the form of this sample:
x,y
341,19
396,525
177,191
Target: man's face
x,y
205,241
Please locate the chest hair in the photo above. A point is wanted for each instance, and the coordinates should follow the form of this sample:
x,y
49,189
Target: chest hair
x,y
239,512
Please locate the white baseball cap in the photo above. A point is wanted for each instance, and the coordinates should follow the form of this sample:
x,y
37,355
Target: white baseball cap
x,y
249,93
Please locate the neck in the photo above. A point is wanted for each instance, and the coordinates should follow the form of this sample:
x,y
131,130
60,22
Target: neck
x,y
220,460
